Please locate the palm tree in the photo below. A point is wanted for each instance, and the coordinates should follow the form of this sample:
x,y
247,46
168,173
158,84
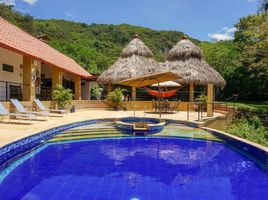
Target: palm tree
x,y
263,6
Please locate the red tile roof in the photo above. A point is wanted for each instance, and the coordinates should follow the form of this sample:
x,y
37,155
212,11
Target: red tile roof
x,y
15,39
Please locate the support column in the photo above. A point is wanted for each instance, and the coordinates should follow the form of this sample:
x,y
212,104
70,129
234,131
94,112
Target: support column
x,y
210,94
77,85
191,92
56,78
87,90
133,94
110,87
28,92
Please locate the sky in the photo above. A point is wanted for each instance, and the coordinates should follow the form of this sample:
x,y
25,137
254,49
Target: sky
x,y
206,20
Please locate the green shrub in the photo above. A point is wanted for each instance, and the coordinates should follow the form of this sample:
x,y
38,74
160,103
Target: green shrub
x,y
250,129
115,97
62,96
96,92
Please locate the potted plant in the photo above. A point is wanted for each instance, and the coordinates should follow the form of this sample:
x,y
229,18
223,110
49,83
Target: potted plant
x,y
62,96
116,97
96,92
202,99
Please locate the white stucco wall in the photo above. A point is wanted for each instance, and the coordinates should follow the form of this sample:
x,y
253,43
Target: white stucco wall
x,y
14,59
15,77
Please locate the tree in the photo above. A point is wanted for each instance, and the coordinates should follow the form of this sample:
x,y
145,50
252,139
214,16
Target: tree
x,y
251,39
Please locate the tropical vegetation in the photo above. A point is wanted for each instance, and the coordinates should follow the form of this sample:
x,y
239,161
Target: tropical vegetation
x,y
116,97
250,129
62,96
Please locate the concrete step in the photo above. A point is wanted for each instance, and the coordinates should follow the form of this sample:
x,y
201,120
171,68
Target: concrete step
x,y
96,105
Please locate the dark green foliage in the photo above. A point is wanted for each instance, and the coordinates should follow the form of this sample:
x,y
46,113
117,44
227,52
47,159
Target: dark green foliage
x,y
23,21
250,129
225,58
97,47
251,39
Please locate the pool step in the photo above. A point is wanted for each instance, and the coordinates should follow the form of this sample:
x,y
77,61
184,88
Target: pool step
x,y
87,133
83,137
89,130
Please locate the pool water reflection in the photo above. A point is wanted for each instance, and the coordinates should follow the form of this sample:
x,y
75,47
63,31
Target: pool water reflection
x,y
135,168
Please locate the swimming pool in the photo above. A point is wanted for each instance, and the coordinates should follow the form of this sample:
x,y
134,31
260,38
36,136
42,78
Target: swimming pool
x,y
134,168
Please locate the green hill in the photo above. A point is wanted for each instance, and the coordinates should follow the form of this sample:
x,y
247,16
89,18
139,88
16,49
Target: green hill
x,y
94,46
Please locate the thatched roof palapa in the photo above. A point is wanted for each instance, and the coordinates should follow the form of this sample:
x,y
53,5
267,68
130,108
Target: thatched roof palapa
x,y
186,60
135,60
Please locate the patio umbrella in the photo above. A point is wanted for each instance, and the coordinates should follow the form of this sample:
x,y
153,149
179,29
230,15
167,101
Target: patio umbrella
x,y
150,79
167,84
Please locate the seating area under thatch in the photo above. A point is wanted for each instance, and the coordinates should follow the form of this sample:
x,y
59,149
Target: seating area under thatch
x,y
185,60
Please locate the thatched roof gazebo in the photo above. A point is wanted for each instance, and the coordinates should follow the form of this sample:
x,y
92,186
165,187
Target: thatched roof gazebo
x,y
186,60
135,60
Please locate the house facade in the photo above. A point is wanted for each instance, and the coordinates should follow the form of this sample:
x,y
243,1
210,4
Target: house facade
x,y
30,68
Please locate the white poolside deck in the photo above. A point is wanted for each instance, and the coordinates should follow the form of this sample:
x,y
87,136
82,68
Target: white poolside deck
x,y
15,131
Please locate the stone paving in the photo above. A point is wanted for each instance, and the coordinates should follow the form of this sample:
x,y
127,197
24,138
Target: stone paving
x,y
15,131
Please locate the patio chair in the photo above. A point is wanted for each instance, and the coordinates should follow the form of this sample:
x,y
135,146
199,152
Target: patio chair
x,y
4,112
20,109
41,107
175,106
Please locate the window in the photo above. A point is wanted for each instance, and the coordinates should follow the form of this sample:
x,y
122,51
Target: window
x,y
8,68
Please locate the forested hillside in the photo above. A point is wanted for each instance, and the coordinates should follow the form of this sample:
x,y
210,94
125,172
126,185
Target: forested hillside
x,y
94,46
243,62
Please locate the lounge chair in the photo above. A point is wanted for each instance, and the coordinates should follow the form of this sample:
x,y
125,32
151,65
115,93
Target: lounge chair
x,y
4,112
41,107
20,109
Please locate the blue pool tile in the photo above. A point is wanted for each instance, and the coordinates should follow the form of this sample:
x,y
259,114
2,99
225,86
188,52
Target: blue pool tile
x,y
140,168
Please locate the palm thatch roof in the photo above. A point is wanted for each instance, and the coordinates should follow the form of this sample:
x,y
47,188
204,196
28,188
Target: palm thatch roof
x,y
186,60
134,61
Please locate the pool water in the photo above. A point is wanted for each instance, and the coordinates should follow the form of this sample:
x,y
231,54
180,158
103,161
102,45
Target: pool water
x,y
134,169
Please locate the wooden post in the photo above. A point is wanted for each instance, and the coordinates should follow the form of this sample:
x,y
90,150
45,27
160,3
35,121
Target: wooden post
x,y
191,94
77,84
210,94
28,92
110,87
133,94
56,78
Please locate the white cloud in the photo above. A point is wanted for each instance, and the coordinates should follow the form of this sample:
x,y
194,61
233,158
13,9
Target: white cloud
x,y
13,2
8,2
30,2
225,34
69,14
